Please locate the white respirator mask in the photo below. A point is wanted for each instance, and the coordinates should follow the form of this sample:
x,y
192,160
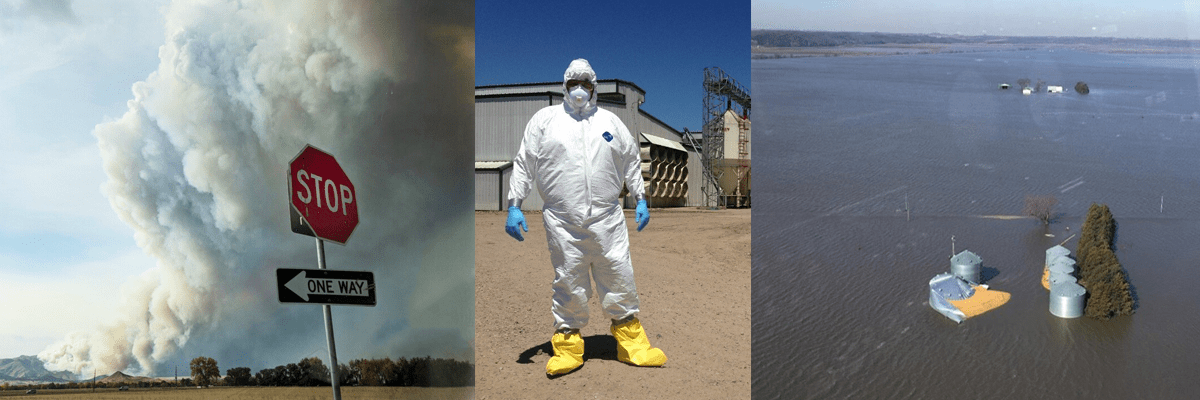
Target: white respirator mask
x,y
579,96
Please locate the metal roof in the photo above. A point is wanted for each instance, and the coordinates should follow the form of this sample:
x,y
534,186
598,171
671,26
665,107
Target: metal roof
x,y
540,86
966,257
493,164
663,142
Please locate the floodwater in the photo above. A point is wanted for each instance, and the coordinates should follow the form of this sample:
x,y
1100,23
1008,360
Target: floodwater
x,y
870,170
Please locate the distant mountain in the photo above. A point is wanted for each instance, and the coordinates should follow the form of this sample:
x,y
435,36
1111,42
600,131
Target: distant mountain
x,y
121,377
30,368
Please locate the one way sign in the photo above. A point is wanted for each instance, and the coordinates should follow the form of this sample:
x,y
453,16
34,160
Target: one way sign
x,y
326,286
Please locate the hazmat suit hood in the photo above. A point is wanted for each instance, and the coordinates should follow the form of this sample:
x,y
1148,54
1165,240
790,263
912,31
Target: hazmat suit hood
x,y
579,69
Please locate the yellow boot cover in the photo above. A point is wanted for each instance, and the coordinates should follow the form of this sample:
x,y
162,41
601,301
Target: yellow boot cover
x,y
633,347
568,353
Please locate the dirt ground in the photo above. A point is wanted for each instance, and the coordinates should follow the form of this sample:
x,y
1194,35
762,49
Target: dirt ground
x,y
692,269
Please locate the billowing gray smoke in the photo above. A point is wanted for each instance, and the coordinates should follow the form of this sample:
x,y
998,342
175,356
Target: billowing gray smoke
x,y
197,168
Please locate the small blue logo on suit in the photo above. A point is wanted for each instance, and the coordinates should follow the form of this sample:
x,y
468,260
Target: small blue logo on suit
x,y
607,137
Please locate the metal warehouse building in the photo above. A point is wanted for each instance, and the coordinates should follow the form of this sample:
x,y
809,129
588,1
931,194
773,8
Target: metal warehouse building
x,y
671,168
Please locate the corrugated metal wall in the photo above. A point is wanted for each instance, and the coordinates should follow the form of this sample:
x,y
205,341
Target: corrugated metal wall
x,y
491,191
487,190
500,124
695,197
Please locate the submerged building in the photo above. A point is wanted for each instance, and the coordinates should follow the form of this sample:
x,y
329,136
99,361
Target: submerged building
x,y
960,293
1067,297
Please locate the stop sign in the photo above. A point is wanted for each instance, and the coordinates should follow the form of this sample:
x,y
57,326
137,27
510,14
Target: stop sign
x,y
322,195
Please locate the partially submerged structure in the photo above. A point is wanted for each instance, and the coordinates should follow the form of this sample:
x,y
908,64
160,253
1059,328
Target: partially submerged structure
x,y
967,266
1067,300
945,288
960,294
1067,297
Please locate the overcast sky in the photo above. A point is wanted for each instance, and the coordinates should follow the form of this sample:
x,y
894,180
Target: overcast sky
x,y
1109,18
144,154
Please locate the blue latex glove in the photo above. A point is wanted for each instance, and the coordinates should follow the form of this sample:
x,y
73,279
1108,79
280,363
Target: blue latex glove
x,y
515,218
643,215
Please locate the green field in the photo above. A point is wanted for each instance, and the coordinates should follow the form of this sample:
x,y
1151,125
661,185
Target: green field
x,y
256,393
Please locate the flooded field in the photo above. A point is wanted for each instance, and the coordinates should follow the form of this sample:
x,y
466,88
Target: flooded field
x,y
869,170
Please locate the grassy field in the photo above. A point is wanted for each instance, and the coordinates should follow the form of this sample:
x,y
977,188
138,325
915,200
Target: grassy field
x,y
255,393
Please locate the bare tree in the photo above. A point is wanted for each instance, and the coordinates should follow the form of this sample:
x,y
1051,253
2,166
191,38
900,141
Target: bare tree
x,y
1040,207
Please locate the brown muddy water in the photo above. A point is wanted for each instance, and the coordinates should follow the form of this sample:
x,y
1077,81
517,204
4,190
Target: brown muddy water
x,y
840,268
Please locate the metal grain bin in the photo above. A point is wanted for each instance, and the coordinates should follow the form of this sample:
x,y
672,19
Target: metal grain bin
x,y
1064,260
967,266
1062,268
1056,252
1060,278
1066,300
945,287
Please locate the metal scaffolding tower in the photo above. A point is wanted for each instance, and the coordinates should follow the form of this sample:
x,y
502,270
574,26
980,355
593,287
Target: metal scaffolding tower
x,y
721,93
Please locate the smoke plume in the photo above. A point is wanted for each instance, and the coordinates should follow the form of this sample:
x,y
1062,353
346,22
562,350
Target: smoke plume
x,y
197,167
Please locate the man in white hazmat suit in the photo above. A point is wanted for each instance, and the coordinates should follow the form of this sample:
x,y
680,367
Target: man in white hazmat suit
x,y
581,156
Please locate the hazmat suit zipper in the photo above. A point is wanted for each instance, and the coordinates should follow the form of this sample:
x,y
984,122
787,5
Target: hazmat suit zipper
x,y
587,174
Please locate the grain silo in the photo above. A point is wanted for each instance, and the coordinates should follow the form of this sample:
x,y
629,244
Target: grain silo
x,y
967,266
1053,254
943,289
1063,265
1058,278
1056,252
1067,300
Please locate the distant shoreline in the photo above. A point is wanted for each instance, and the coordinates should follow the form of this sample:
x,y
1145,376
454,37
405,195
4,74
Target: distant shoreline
x,y
797,44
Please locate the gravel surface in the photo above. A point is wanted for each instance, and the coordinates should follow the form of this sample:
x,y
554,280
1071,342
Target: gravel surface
x,y
693,275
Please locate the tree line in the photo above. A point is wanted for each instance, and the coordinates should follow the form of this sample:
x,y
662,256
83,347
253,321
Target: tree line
x,y
311,371
790,38
426,371
1109,292
99,385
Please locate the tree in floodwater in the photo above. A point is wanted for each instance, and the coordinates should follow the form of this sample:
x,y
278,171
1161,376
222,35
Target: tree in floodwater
x,y
1081,88
1107,284
1041,207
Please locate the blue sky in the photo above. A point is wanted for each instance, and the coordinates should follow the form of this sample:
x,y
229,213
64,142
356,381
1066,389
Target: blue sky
x,y
63,251
663,47
1109,18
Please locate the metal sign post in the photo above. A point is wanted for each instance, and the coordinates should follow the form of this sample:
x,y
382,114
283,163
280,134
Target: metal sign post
x,y
324,204
333,363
